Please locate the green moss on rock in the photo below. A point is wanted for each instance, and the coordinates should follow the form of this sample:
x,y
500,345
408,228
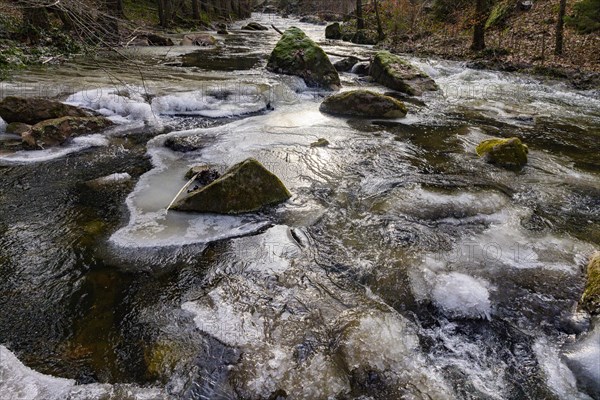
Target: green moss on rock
x,y
296,54
590,300
509,153
245,187
397,74
363,103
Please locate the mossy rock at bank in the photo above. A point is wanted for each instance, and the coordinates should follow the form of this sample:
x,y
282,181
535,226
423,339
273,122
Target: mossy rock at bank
x,y
363,103
333,31
397,74
245,187
590,300
364,36
509,153
54,132
296,54
31,110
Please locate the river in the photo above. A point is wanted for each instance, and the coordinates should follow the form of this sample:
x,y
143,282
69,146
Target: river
x,y
403,266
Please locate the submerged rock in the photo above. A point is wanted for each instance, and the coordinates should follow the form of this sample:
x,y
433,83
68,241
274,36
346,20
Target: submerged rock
x,y
54,132
363,103
509,153
157,40
245,187
296,54
186,144
321,142
33,110
254,26
346,64
397,74
590,300
361,68
202,39
333,31
109,180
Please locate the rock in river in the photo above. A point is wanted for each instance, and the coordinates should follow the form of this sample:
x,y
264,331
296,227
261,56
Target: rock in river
x,y
333,31
363,103
201,39
590,301
395,73
254,26
297,54
54,132
509,153
346,64
245,187
31,110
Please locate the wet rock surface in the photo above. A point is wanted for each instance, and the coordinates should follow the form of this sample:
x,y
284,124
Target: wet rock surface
x,y
363,103
297,54
397,74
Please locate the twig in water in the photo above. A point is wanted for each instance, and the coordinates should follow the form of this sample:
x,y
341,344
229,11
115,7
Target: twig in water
x,y
187,185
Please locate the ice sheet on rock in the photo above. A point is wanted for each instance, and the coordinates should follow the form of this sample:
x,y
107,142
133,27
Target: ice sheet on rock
x,y
559,377
114,103
583,358
35,156
214,101
17,381
150,225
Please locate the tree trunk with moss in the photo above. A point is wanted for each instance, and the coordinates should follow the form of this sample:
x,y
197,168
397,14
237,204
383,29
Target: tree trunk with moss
x,y
360,21
558,48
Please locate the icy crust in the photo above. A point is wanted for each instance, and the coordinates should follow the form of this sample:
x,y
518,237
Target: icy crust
x,y
460,295
18,382
301,338
219,100
34,156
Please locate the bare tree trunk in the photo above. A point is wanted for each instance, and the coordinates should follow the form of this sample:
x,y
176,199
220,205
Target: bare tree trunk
x,y
479,29
558,48
196,9
360,22
380,33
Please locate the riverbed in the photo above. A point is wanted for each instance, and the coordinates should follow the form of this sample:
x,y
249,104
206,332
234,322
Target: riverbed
x,y
403,266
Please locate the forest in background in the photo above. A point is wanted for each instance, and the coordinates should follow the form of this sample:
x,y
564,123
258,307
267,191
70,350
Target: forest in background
x,y
554,37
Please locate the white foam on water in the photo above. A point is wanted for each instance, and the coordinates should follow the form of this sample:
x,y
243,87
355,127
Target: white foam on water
x,y
2,126
559,377
485,372
18,382
75,145
462,296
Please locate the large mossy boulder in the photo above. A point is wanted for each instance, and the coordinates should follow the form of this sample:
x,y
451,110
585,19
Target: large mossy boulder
x,y
397,74
363,103
296,54
31,110
590,300
54,132
509,153
245,187
364,36
333,31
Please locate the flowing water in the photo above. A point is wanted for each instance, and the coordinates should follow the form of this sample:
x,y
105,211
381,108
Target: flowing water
x,y
402,267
